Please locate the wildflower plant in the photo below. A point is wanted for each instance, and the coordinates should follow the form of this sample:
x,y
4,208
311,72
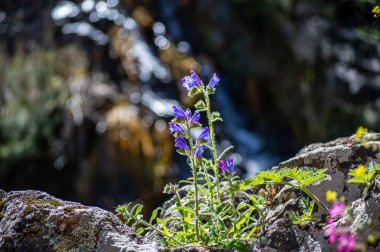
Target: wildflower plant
x,y
364,175
212,207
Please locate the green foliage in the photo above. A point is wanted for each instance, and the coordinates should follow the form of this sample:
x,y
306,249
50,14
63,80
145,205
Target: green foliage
x,y
216,209
34,93
364,175
306,212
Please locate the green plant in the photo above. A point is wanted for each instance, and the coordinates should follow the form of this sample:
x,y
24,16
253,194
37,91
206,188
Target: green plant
x,y
296,178
306,212
364,175
213,207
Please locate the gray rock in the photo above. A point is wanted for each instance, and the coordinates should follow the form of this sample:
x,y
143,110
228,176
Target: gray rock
x,y
338,156
36,221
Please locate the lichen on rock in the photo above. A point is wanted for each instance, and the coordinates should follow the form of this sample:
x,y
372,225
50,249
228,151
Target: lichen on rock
x,y
36,221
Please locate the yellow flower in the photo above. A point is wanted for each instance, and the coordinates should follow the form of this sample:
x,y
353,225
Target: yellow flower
x,y
361,130
360,170
376,11
331,195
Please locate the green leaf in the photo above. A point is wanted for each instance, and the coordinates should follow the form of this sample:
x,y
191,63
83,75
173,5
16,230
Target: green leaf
x,y
210,90
182,151
154,214
200,105
203,190
238,245
159,221
215,116
184,208
140,230
194,91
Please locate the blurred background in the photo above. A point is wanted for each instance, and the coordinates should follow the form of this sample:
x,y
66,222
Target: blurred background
x,y
87,87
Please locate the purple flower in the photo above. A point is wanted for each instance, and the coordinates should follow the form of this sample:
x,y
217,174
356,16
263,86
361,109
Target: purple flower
x,y
222,165
198,151
230,164
181,143
204,134
188,113
214,80
191,81
195,118
179,113
337,209
346,242
187,82
175,127
194,76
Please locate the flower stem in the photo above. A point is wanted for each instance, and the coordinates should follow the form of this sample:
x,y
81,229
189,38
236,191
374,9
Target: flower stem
x,y
193,164
213,145
233,205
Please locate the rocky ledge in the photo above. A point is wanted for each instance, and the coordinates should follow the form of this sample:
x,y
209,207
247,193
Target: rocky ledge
x,y
36,221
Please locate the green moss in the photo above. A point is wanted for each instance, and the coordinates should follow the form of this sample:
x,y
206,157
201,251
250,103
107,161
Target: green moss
x,y
32,230
29,231
2,205
43,201
28,209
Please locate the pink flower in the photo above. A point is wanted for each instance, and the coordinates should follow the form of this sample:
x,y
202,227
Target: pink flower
x,y
331,233
346,242
337,209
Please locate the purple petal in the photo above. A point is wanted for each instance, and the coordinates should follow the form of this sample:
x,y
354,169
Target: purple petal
x,y
204,134
179,113
181,143
187,82
188,113
230,164
196,79
222,165
175,127
195,118
214,80
198,151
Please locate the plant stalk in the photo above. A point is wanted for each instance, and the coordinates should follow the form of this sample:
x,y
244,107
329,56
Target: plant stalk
x,y
213,145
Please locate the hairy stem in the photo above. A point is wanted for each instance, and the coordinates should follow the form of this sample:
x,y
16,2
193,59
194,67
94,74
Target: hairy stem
x,y
213,145
233,205
183,213
193,165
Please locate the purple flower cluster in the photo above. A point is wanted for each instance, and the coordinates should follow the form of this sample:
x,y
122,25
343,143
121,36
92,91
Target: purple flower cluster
x,y
187,120
194,81
226,165
191,81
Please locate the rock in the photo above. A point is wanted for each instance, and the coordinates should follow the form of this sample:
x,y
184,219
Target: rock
x,y
338,156
36,221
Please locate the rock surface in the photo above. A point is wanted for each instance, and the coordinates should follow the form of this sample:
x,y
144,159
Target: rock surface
x,y
36,221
